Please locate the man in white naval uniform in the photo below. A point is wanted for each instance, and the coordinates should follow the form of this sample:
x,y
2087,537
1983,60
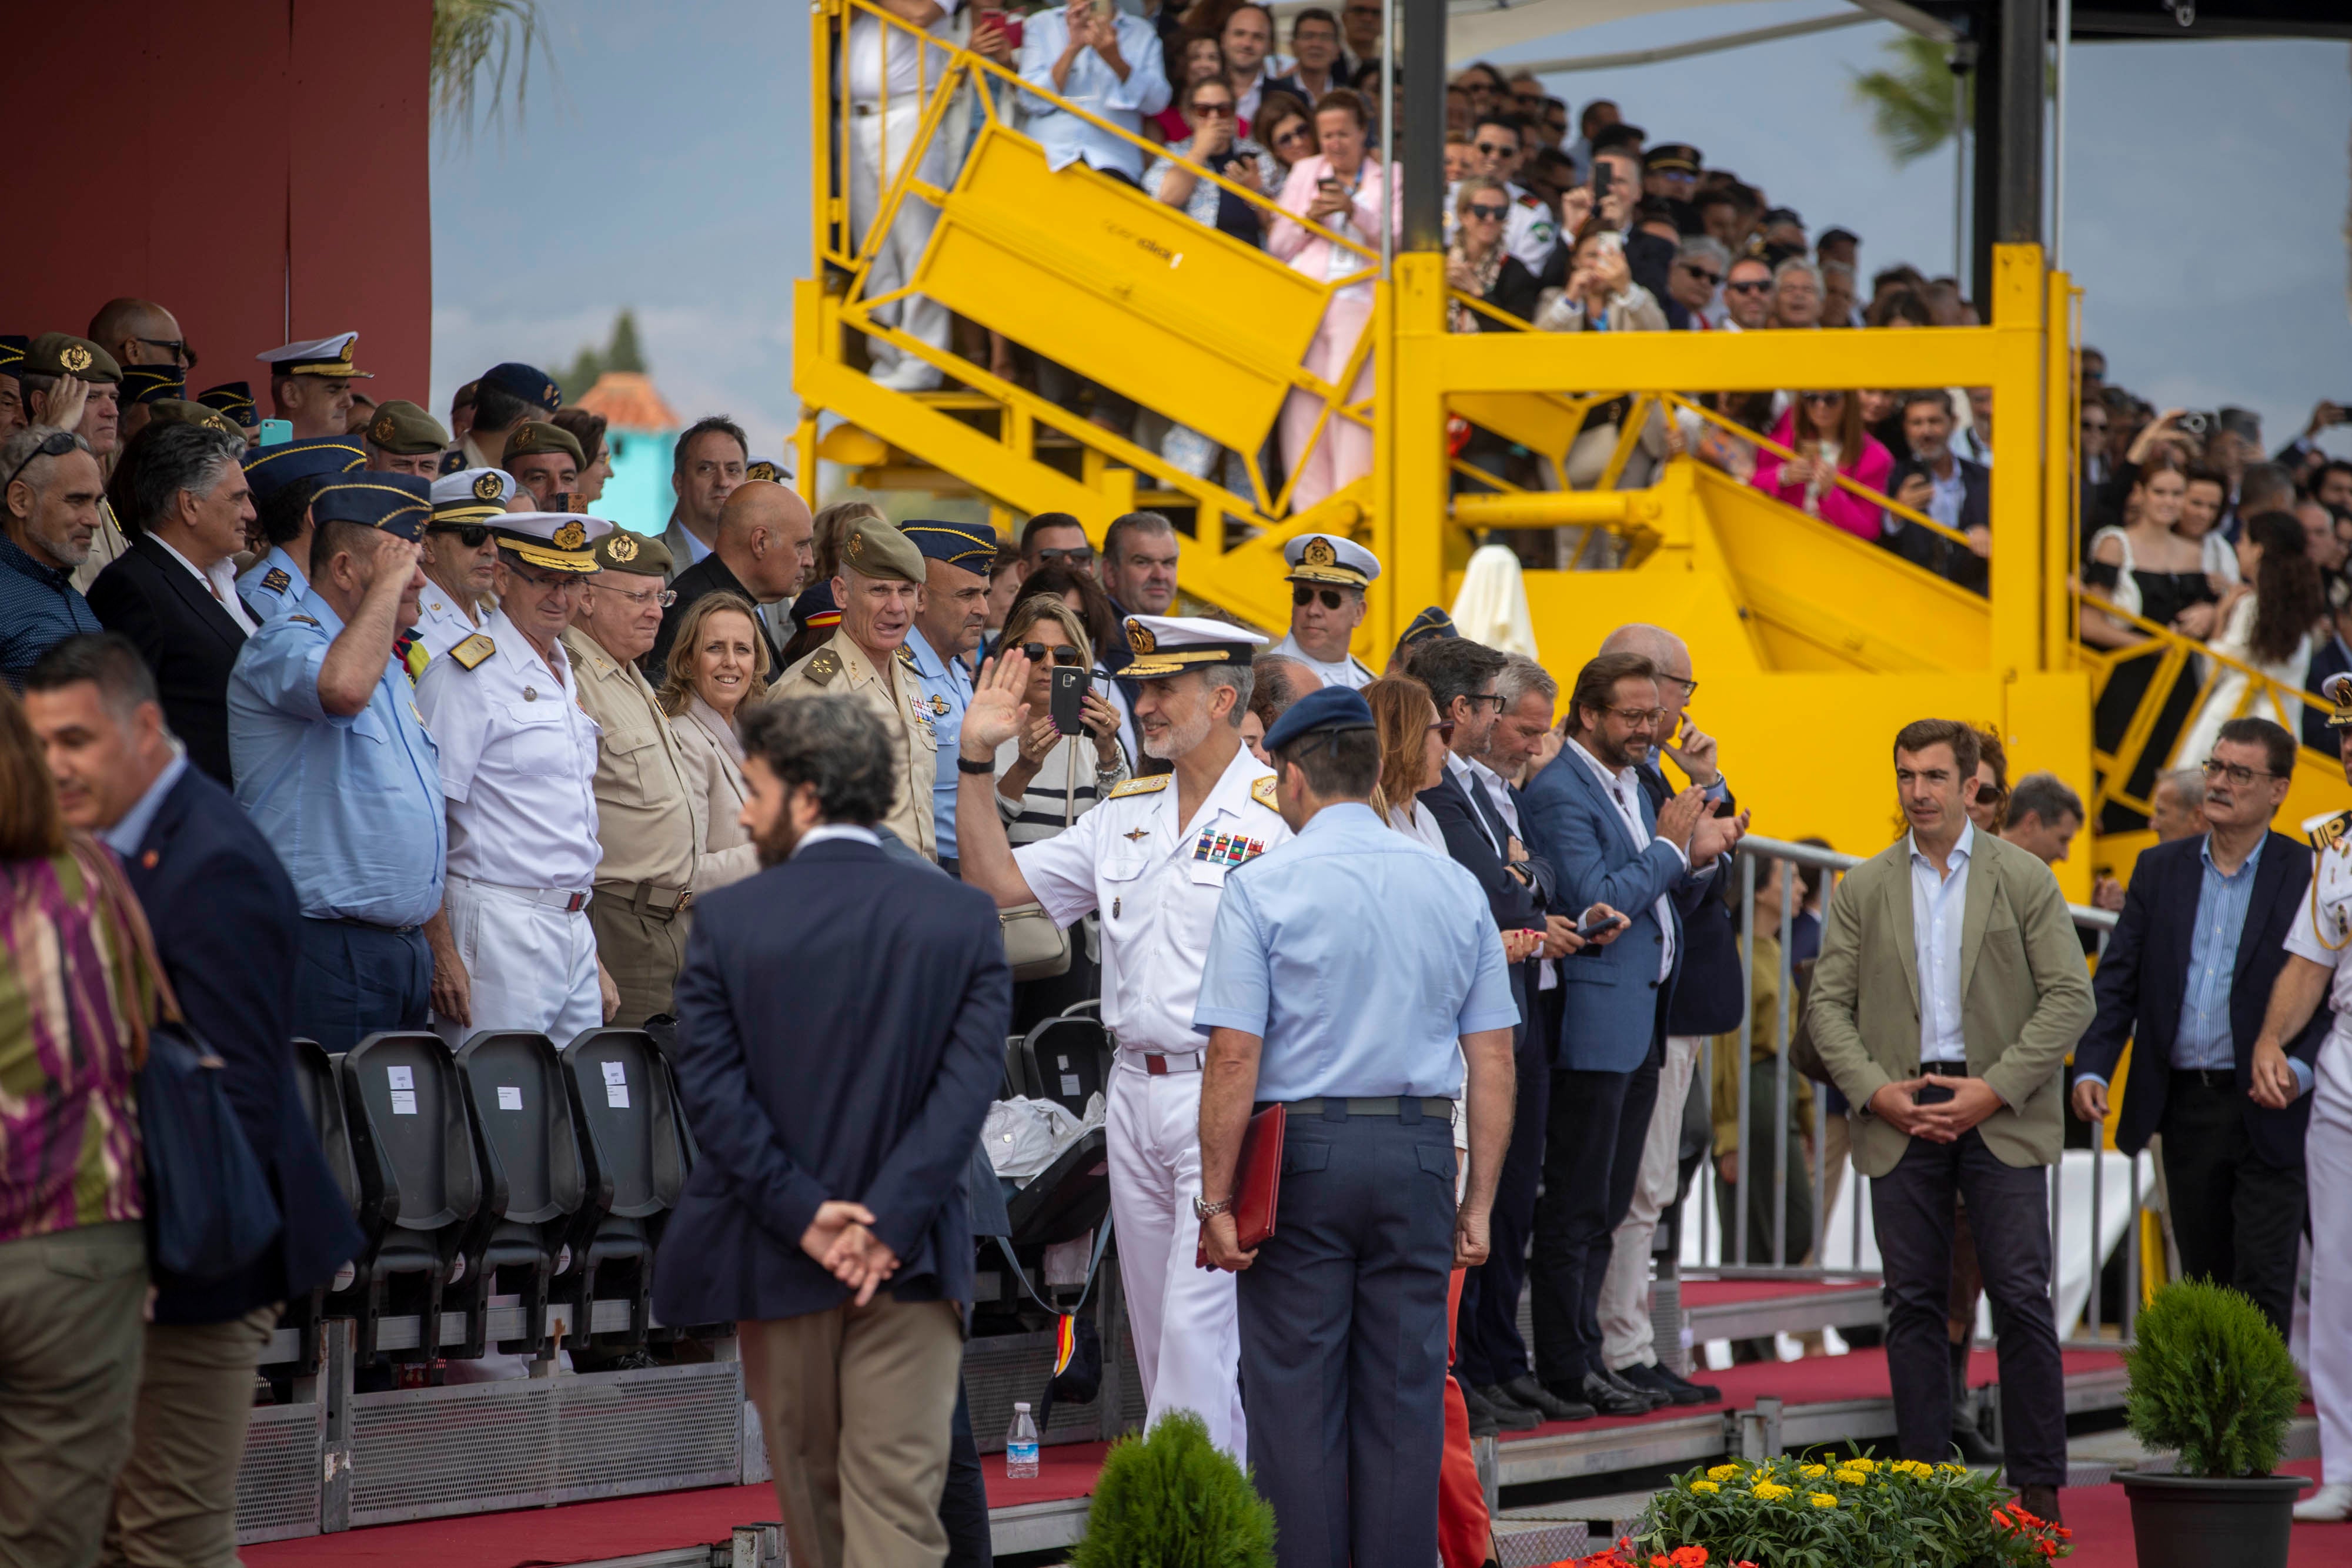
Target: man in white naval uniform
x,y
512,948
1328,578
1152,861
460,556
2316,972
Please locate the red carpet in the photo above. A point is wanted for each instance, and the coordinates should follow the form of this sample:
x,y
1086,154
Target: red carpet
x,y
622,1527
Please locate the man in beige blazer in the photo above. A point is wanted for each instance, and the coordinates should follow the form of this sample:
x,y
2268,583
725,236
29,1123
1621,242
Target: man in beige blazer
x,y
1950,989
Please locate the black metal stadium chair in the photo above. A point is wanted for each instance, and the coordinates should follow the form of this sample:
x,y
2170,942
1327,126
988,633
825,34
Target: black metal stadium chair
x,y
532,1178
414,1150
636,1162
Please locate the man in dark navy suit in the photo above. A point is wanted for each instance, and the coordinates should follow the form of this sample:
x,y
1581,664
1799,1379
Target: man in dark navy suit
x,y
228,927
2186,976
841,1029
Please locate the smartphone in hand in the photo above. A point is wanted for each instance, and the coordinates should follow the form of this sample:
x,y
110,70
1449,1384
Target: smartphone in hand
x,y
1067,703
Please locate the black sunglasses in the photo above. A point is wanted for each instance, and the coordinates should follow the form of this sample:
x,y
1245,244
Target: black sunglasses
x,y
1710,278
178,347
58,446
1035,654
1331,596
1493,149
1492,214
1220,107
473,536
1753,286
1081,553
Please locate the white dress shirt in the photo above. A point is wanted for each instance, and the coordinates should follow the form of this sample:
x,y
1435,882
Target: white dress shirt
x,y
1624,786
219,581
912,69
1938,906
1347,671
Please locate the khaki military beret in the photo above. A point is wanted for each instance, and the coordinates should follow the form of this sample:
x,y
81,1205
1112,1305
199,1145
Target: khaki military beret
x,y
536,437
622,550
874,548
180,411
405,430
63,354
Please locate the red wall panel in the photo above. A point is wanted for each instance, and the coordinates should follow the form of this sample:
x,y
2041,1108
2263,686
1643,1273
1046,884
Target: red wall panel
x,y
259,167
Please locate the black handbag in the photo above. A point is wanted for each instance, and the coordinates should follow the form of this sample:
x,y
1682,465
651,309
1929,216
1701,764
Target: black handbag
x,y
210,1211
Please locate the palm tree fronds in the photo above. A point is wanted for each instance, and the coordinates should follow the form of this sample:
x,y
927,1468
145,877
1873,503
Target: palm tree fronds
x,y
478,47
1911,101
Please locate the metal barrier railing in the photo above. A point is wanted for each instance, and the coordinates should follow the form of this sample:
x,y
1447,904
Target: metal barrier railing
x,y
1806,1257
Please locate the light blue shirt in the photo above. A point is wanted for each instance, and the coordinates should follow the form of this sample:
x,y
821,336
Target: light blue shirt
x,y
1094,86
1361,956
946,687
351,804
266,596
124,836
1938,906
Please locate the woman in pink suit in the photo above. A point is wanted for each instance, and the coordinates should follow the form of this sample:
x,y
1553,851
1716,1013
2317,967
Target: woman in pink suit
x,y
1824,430
1343,191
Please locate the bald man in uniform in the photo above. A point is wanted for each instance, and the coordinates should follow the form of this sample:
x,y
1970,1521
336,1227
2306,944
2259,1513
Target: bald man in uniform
x,y
881,582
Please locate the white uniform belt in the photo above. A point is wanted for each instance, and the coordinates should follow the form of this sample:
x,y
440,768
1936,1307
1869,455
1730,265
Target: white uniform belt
x,y
570,900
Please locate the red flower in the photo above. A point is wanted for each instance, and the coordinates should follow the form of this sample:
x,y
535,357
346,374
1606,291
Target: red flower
x,y
1689,1557
2047,1547
2019,1509
2003,1520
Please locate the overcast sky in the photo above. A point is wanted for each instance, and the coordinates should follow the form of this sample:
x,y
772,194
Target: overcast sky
x,y
663,167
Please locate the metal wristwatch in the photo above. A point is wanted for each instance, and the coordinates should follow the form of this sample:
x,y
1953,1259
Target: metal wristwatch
x,y
1210,1210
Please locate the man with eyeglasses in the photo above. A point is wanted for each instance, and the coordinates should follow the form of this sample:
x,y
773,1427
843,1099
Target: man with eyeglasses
x,y
1691,288
460,558
1360,25
50,489
333,765
2187,973
652,820
1328,578
512,947
141,332
1589,816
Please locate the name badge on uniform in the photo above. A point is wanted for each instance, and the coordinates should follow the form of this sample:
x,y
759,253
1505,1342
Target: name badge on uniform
x,y
1227,849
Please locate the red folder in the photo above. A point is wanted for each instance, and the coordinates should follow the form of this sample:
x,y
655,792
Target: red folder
x,y
1257,1181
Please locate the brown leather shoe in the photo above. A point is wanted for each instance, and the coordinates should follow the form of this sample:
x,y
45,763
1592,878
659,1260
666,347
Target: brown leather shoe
x,y
2041,1501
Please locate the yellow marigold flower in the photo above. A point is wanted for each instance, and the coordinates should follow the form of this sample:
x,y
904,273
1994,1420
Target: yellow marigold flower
x,y
1704,1486
1851,1477
1823,1500
1864,1465
1722,1472
1955,1469
1811,1472
1912,1468
1768,1490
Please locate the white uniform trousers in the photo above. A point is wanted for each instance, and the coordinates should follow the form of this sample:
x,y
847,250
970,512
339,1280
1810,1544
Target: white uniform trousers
x,y
923,320
531,963
2327,1162
1188,1341
1626,1335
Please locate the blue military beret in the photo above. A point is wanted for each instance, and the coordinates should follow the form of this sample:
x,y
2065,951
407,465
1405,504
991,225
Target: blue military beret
x,y
399,503
1324,709
12,351
234,399
269,469
972,545
526,383
152,384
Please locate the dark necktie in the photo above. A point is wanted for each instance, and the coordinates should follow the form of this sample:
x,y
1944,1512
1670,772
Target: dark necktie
x,y
1496,828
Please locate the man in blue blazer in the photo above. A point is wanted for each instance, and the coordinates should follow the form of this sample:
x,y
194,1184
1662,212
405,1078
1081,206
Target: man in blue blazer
x,y
1587,814
2186,976
841,1029
227,927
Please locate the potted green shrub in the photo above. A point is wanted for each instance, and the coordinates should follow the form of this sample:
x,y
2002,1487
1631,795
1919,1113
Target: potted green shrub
x,y
1172,1498
2213,1382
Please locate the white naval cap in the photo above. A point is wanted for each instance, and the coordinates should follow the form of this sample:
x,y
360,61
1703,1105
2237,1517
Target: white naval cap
x,y
318,357
1175,645
557,541
1327,557
472,495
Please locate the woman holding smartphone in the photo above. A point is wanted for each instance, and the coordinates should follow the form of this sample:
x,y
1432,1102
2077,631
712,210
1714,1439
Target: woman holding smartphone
x,y
1345,193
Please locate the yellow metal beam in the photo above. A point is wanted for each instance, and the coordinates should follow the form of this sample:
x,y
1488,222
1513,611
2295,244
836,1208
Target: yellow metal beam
x,y
1735,362
2020,297
1555,509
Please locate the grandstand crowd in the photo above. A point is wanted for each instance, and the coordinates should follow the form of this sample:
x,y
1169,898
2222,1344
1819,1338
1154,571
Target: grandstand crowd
x,y
370,724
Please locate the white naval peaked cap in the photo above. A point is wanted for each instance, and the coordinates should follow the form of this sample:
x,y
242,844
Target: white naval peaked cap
x,y
1327,557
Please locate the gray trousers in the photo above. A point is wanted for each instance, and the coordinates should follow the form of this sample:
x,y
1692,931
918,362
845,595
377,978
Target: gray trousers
x,y
1343,1341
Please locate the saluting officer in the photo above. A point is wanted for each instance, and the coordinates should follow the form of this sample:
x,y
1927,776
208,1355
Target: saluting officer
x,y
1353,972
460,556
2316,972
948,625
333,765
1152,860
514,950
881,582
1328,577
652,821
283,480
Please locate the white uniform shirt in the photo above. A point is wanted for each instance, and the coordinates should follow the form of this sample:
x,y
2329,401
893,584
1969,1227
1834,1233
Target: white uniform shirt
x,y
1349,673
518,764
2323,928
1156,882
441,620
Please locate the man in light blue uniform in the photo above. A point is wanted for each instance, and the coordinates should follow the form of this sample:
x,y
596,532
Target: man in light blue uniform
x,y
952,619
334,766
1353,974
283,480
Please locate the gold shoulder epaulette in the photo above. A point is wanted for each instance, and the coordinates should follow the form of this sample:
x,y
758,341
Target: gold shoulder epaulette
x,y
2333,833
1263,793
1150,784
473,651
907,657
823,665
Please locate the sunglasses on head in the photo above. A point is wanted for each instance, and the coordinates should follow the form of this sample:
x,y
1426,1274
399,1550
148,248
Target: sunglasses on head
x,y
473,536
58,446
1035,654
1331,596
1492,214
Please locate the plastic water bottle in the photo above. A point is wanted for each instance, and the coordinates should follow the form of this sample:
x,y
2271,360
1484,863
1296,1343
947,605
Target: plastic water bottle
x,y
1021,1447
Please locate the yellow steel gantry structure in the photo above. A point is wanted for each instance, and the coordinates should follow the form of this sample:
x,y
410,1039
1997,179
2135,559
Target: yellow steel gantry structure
x,y
1813,646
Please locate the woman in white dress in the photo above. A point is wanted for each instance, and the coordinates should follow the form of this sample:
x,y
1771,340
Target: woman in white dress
x,y
1413,756
717,662
2266,621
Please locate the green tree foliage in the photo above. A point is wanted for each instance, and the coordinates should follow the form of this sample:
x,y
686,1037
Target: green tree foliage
x,y
1173,1499
2211,1380
1911,101
478,47
620,353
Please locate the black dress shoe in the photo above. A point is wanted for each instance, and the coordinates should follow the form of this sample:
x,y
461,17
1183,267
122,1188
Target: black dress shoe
x,y
1974,1450
1483,1420
1513,1416
1568,1396
1524,1390
1655,1398
1677,1390
1610,1397
2042,1503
